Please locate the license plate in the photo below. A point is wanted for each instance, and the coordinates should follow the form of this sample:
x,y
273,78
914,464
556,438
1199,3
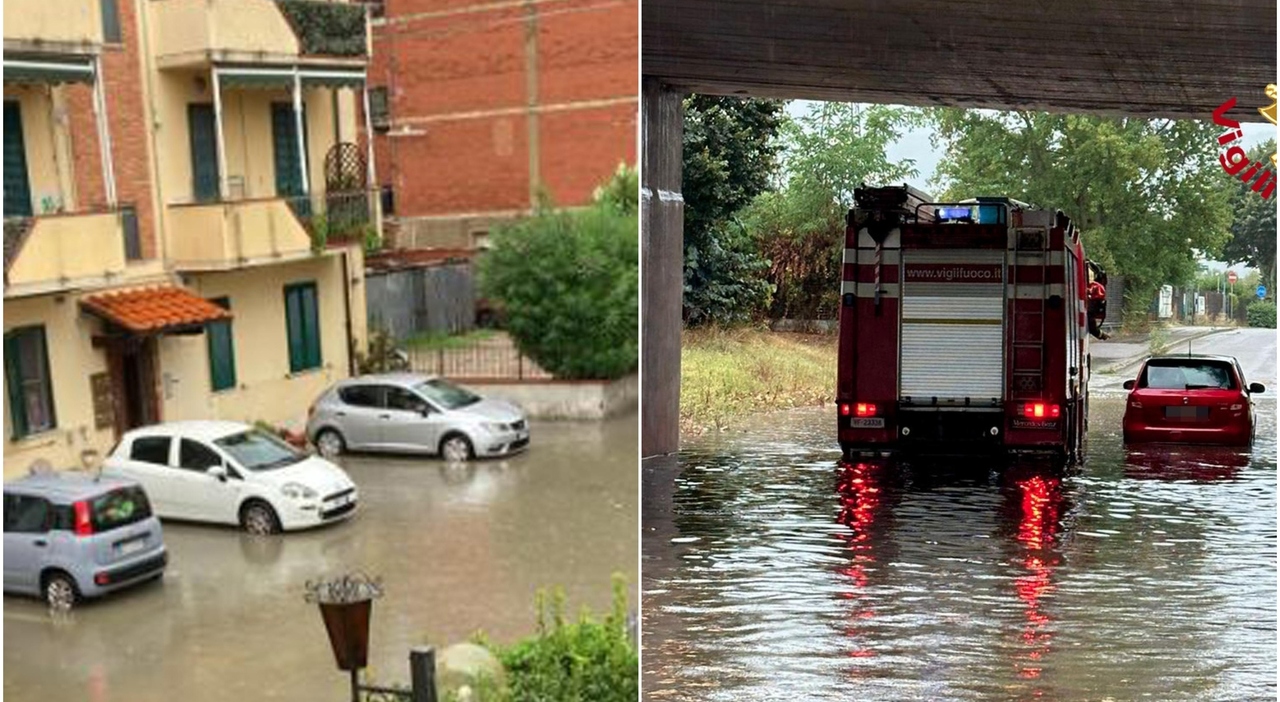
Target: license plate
x,y
864,423
1186,412
343,501
131,546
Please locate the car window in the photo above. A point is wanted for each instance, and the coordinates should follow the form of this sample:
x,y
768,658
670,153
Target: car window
x,y
401,399
447,395
119,507
1188,374
361,395
258,450
29,515
150,449
194,455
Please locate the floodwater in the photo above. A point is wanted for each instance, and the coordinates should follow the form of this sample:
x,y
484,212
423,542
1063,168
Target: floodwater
x,y
459,549
772,570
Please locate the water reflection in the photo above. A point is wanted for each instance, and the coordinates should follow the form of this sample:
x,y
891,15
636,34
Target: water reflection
x,y
1184,463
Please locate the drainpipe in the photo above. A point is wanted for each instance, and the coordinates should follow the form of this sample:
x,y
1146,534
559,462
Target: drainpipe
x,y
346,302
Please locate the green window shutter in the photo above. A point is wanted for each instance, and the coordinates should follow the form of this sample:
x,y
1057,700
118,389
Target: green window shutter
x,y
302,318
111,33
222,357
17,190
311,314
204,153
27,377
13,381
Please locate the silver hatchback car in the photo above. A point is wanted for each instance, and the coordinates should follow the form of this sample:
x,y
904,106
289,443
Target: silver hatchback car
x,y
411,413
71,535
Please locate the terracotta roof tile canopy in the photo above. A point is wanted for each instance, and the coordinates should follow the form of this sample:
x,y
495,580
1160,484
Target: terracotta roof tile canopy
x,y
154,309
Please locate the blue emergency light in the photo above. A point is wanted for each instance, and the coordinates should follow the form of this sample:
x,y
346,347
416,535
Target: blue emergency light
x,y
946,214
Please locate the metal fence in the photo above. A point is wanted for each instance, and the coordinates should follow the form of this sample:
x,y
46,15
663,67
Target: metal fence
x,y
429,300
493,358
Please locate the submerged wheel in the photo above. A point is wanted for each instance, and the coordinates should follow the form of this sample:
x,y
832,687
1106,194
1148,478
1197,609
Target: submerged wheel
x,y
259,519
456,448
60,591
330,444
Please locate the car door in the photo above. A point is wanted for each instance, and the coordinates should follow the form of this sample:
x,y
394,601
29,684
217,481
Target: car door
x,y
208,498
410,423
26,540
147,462
360,416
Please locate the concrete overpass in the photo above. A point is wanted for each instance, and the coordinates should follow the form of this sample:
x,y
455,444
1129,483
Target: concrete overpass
x,y
1146,58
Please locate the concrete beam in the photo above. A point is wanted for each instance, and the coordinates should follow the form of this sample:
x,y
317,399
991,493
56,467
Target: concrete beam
x,y
1149,58
662,266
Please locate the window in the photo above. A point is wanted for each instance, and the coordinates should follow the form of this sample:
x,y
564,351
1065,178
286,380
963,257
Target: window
x,y
119,508
401,399
380,108
377,8
1189,374
361,395
222,355
302,316
26,370
24,514
194,455
132,240
150,449
447,395
111,22
257,450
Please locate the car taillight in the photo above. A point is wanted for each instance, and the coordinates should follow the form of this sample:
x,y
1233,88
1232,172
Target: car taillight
x,y
1041,410
84,523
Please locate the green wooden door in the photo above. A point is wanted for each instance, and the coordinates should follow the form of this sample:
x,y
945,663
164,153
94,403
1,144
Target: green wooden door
x,y
17,190
204,152
284,138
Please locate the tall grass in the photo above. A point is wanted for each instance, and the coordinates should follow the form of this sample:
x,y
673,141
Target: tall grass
x,y
728,373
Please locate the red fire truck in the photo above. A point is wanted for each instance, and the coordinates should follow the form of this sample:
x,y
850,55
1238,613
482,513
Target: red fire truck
x,y
963,327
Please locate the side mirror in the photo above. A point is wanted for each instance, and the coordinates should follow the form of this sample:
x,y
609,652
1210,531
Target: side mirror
x,y
1128,384
1256,388
219,472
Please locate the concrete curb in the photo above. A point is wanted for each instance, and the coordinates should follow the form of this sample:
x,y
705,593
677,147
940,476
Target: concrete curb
x,y
1118,367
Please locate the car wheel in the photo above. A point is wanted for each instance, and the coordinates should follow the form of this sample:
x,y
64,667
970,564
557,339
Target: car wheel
x,y
456,448
60,592
330,444
259,519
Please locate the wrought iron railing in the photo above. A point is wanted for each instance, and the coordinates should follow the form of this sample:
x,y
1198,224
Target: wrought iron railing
x,y
347,216
493,358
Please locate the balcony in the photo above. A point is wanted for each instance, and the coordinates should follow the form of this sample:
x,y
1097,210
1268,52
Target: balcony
x,y
235,234
56,26
49,253
194,33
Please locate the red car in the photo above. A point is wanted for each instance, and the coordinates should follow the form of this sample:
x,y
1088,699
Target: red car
x,y
1189,399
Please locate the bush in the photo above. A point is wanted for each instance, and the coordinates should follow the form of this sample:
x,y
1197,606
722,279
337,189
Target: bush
x,y
582,661
1262,314
569,283
725,278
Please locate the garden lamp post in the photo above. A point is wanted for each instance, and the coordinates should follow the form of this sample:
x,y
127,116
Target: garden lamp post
x,y
345,605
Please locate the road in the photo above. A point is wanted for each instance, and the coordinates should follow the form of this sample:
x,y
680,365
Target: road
x,y
773,571
459,550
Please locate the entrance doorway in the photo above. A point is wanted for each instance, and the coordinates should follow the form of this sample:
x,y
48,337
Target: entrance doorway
x,y
132,361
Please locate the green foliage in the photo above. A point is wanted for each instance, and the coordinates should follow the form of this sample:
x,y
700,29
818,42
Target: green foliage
x,y
580,661
730,152
1253,227
1144,193
326,28
318,227
569,282
622,191
829,151
372,241
1262,314
381,356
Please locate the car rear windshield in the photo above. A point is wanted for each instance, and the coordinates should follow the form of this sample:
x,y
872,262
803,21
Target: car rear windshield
x,y
447,395
258,450
119,507
1188,374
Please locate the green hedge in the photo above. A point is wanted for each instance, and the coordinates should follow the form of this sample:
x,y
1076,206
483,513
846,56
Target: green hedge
x,y
1262,314
326,28
569,283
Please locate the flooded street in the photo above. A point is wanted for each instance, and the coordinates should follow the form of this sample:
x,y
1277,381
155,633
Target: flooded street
x,y
771,569
460,549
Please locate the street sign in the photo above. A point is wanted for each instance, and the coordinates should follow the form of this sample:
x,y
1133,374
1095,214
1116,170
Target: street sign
x,y
1262,291
1231,277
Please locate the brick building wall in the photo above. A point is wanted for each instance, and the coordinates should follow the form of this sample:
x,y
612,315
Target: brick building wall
x,y
491,103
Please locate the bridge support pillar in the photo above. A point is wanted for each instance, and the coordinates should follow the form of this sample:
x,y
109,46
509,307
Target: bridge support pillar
x,y
662,261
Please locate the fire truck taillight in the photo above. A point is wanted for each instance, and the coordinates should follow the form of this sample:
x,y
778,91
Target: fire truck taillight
x,y
865,409
1040,410
845,409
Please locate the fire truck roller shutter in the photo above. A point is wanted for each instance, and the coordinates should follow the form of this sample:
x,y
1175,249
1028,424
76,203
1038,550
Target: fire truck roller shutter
x,y
953,306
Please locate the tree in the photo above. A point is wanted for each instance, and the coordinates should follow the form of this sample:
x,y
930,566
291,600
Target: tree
x,y
1144,193
569,281
828,152
730,154
1253,228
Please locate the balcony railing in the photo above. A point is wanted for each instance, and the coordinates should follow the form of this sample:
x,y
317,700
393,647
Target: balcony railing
x,y
338,217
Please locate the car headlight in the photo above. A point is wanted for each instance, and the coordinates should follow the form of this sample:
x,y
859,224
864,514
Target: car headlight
x,y
298,491
494,427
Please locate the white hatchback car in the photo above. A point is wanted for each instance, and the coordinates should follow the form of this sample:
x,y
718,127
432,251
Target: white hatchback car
x,y
232,473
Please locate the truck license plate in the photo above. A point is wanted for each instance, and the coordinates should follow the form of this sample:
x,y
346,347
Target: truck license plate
x,y
867,423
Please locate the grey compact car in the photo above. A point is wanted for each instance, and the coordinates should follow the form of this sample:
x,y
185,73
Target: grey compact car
x,y
70,535
411,413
